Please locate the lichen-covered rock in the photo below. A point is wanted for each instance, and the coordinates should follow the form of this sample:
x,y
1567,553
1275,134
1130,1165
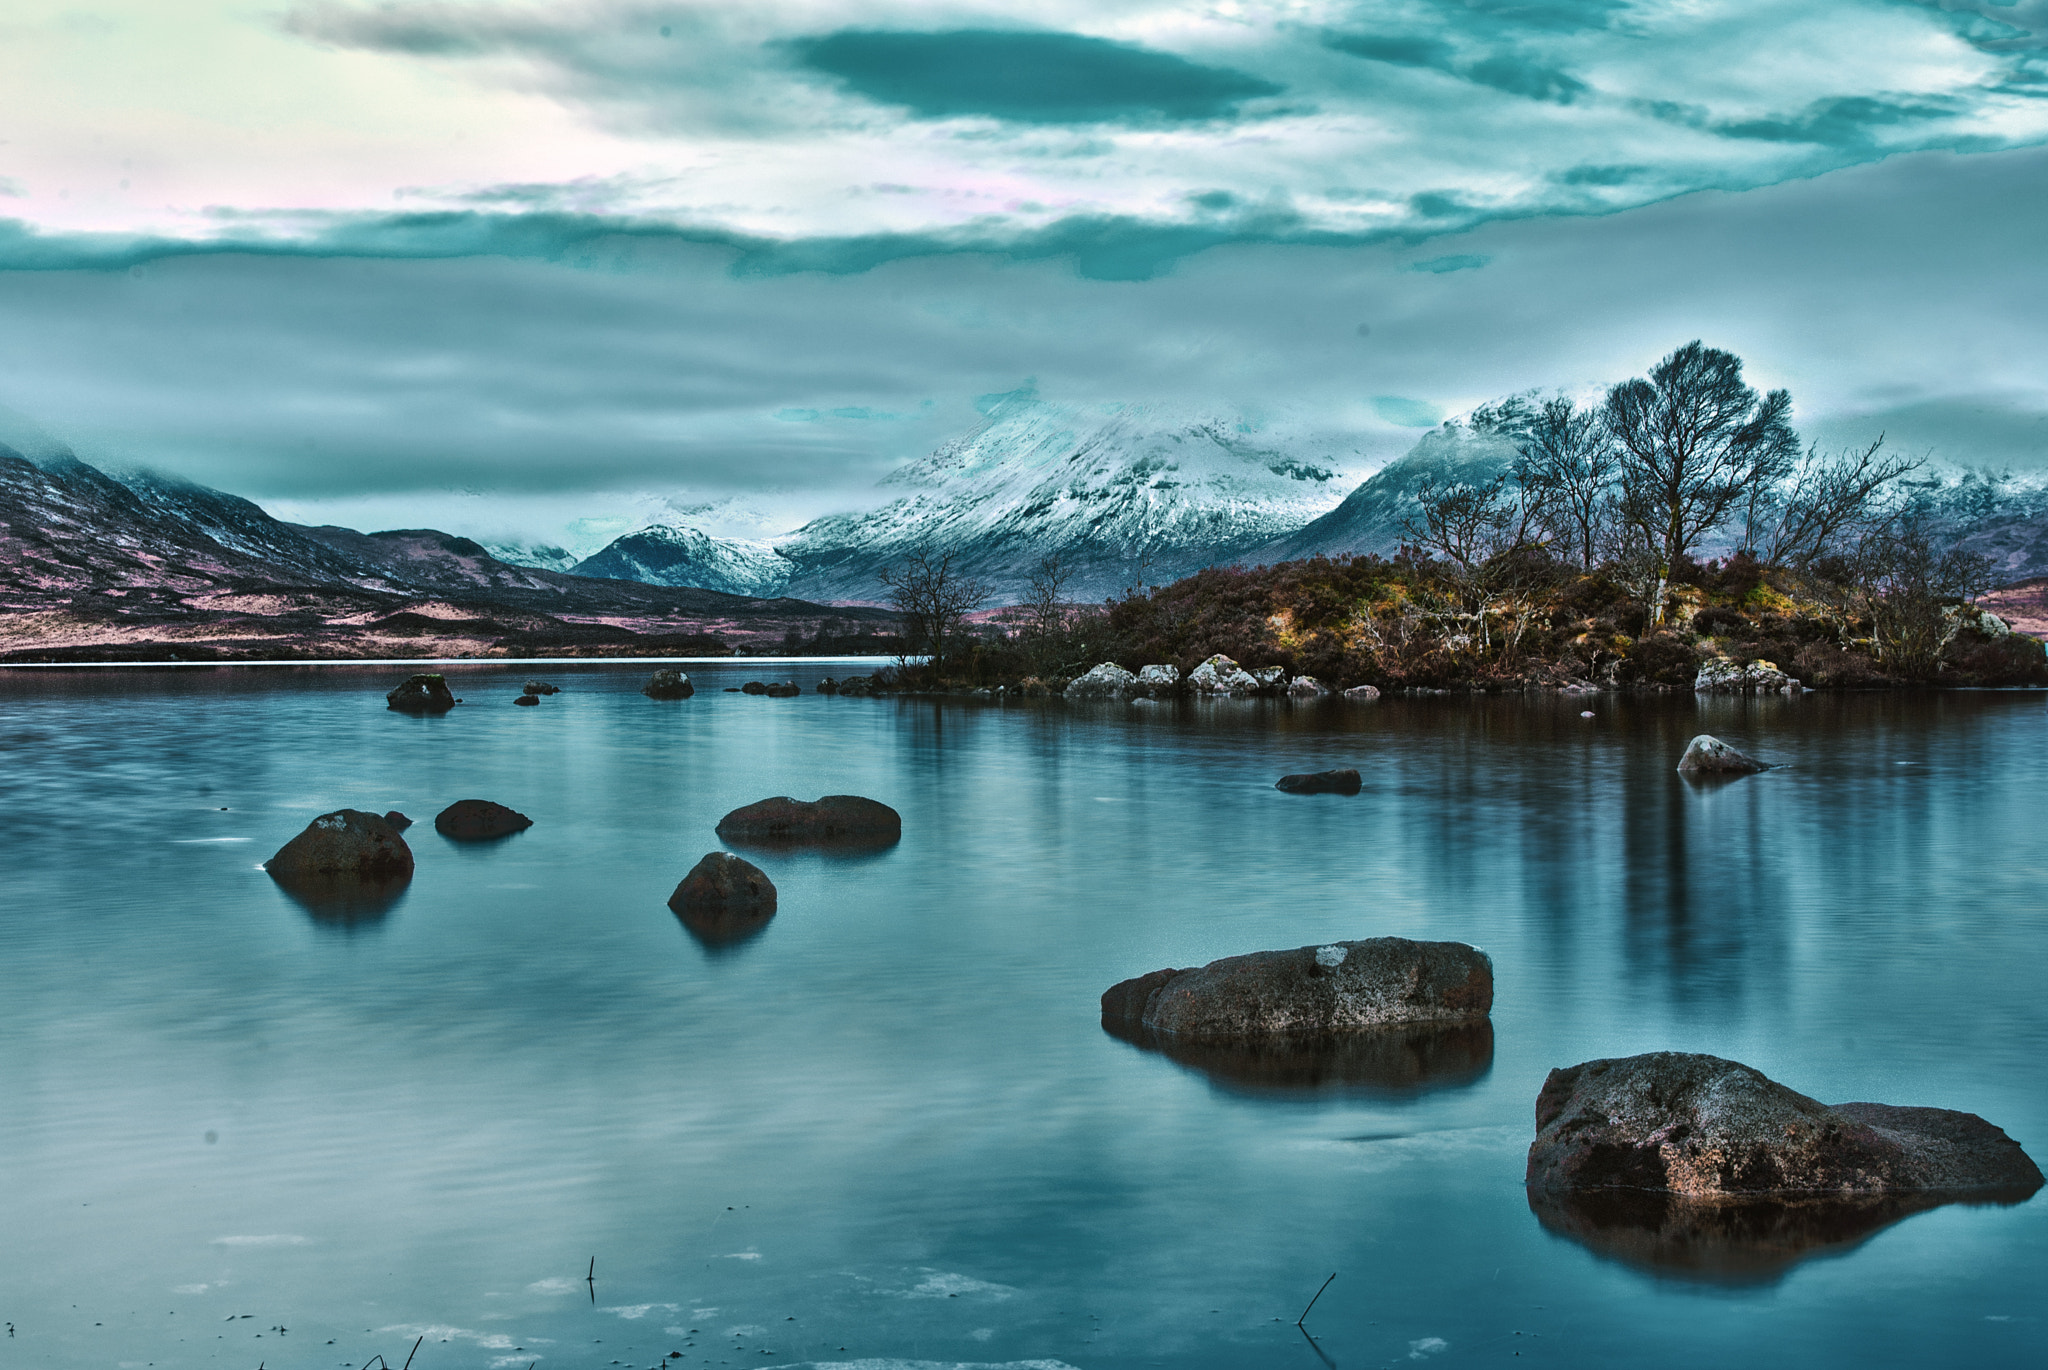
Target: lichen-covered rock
x,y
835,819
1270,678
1709,1128
346,845
1158,681
1363,694
1220,675
668,683
1723,676
1320,782
1307,687
421,694
471,820
1107,681
1709,755
722,883
1312,991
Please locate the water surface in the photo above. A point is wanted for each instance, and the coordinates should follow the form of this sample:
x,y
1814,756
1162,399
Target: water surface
x,y
889,1125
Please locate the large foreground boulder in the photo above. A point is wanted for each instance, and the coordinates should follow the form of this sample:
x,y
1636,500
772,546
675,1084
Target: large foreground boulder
x,y
474,820
1707,1128
1310,991
835,820
1320,782
421,694
723,886
346,845
1709,755
668,684
1107,681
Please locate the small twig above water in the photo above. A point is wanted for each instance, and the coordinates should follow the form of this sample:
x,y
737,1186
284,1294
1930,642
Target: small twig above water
x,y
1312,1302
423,1336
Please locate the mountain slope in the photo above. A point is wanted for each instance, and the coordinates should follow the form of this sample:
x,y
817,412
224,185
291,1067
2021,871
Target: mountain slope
x,y
1117,491
668,554
1373,518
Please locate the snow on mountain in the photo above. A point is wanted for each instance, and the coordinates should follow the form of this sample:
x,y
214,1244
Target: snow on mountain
x,y
539,556
669,554
1119,492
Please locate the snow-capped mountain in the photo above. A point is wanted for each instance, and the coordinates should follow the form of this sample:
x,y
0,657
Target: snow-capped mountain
x,y
540,556
1119,492
1374,517
668,554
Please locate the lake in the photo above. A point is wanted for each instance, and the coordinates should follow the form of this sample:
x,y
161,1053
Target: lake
x,y
527,1115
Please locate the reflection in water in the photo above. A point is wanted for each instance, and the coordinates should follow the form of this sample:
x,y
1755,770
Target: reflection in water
x,y
345,904
721,930
1731,1243
1398,1062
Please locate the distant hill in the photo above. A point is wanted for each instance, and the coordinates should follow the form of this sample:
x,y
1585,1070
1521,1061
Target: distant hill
x,y
672,555
1373,518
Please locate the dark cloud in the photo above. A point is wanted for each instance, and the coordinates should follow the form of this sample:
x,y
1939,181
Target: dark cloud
x,y
1847,121
1027,77
1506,70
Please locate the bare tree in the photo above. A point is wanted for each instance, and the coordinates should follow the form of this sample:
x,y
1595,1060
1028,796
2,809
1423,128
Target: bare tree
x,y
934,599
1471,525
1908,579
1695,442
1832,501
1567,455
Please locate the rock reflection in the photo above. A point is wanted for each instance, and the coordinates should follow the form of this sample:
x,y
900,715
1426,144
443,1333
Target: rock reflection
x,y
1756,1242
721,931
343,904
1400,1062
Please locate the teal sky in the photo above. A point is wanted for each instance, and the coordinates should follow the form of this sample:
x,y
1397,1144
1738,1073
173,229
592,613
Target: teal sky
x,y
355,257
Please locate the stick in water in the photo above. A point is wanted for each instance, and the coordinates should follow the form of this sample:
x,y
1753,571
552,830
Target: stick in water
x,y
423,1336
1312,1302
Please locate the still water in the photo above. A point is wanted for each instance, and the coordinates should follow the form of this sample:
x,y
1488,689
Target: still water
x,y
890,1128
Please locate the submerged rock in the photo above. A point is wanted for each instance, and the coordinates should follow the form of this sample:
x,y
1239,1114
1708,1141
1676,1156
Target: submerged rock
x,y
527,700
1362,694
470,820
1709,755
1398,1061
835,820
1708,1128
1311,991
668,683
724,885
344,846
1107,681
1320,782
1722,676
421,694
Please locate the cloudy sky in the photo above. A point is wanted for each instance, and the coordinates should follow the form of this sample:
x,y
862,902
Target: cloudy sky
x,y
499,265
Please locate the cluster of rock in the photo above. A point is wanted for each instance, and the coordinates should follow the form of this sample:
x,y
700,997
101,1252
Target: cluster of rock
x,y
530,694
1724,676
1219,676
351,860
726,899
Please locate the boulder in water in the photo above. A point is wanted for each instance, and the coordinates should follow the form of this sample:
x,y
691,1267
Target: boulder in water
x,y
421,694
1722,676
1307,687
1708,755
1158,681
343,846
1107,681
398,821
668,683
1363,694
473,820
1320,782
828,686
1708,1128
725,885
786,689
1311,991
1220,675
540,687
527,700
835,820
